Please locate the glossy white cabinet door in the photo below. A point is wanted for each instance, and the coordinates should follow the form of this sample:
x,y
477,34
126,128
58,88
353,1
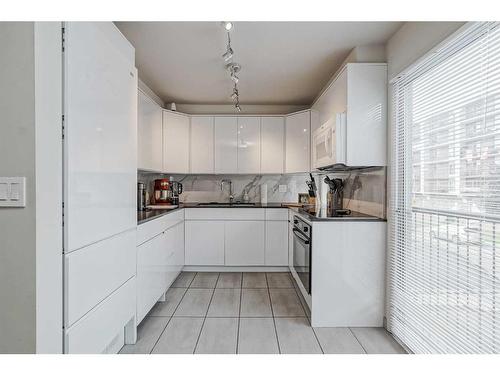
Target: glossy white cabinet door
x,y
244,243
175,251
100,152
175,142
149,134
298,142
276,243
273,144
202,144
248,144
226,151
366,114
204,243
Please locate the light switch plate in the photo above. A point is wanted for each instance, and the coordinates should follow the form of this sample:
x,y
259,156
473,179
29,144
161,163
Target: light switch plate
x,y
282,188
12,191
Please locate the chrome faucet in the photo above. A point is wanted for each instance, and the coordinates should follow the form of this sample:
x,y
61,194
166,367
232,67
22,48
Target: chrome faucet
x,y
231,196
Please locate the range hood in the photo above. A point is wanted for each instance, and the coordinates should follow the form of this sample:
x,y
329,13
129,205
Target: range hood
x,y
341,167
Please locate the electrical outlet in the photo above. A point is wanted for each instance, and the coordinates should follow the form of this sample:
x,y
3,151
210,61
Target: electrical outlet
x,y
282,188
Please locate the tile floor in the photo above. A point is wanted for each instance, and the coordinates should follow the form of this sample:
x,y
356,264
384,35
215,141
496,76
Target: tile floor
x,y
234,312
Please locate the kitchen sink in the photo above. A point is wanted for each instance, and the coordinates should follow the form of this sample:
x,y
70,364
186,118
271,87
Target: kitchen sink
x,y
227,204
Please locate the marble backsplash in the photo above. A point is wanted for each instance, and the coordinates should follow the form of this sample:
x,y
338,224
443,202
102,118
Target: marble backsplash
x,y
364,191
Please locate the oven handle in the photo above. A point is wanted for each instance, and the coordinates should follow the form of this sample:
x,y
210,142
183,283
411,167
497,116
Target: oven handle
x,y
299,236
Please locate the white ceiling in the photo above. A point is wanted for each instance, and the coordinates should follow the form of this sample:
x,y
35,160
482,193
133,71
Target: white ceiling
x,y
282,62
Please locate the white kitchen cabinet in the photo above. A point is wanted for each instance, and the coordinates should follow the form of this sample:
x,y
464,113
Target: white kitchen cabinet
x,y
149,134
151,273
100,175
359,92
273,144
204,242
244,243
202,144
226,140
100,143
276,243
175,142
298,142
248,144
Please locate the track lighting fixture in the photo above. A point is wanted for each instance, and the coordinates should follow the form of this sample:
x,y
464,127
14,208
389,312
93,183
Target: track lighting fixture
x,y
231,66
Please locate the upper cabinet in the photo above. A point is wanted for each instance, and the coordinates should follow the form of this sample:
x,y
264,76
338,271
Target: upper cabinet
x,y
354,108
248,144
149,134
298,142
272,145
202,144
175,142
226,141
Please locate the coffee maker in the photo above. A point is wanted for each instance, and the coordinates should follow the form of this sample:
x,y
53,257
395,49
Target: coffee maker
x,y
162,191
176,188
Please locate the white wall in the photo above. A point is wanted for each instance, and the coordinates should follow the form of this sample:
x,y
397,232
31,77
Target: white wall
x,y
413,40
17,158
30,146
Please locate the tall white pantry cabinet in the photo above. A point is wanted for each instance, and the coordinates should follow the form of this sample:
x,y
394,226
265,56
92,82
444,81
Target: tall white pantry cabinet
x,y
100,173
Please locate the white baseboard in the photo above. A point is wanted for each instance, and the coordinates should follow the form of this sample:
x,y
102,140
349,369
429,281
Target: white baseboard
x,y
236,269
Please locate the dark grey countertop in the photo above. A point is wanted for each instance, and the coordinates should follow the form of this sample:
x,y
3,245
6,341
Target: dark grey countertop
x,y
145,216
321,215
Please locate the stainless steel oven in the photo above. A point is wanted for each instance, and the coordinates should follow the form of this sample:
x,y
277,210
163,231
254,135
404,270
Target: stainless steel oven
x,y
302,245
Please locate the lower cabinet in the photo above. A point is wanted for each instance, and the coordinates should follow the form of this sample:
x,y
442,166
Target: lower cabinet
x,y
245,243
276,243
236,237
204,243
159,261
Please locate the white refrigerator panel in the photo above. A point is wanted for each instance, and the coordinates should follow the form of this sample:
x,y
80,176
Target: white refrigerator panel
x,y
100,146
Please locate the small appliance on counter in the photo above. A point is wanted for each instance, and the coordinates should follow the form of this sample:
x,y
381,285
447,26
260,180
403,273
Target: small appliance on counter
x,y
162,192
176,189
141,196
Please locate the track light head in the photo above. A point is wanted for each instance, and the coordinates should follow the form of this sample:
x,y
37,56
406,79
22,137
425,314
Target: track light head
x,y
227,25
228,55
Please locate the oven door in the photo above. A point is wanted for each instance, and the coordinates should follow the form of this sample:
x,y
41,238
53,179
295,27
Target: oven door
x,y
302,258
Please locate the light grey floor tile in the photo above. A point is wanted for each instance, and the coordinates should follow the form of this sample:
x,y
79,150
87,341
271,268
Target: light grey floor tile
x,y
194,303
229,280
254,280
167,308
257,336
147,335
255,303
377,341
225,303
279,280
218,336
183,280
338,341
180,336
295,336
205,280
286,303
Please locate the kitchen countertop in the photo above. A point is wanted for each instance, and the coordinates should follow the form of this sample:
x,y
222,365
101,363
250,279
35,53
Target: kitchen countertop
x,y
321,215
145,216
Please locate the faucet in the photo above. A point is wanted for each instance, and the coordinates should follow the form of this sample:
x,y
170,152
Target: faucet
x,y
231,196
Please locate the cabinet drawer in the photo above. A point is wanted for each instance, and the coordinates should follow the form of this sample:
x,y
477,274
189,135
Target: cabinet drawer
x,y
277,214
94,272
94,332
154,227
225,214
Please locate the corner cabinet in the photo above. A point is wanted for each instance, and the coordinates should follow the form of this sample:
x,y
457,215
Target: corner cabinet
x,y
175,142
298,142
149,134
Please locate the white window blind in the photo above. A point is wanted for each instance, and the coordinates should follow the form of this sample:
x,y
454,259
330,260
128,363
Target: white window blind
x,y
444,208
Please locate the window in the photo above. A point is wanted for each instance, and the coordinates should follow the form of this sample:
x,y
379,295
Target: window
x,y
444,262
